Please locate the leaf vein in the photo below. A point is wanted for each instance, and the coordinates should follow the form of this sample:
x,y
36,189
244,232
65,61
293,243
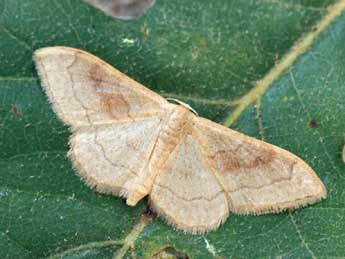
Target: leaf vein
x,y
299,233
15,37
51,196
63,11
11,239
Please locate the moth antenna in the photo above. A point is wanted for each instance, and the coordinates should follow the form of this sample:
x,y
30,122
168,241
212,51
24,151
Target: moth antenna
x,y
183,104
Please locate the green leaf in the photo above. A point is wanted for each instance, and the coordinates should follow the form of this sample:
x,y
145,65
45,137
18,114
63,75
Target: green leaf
x,y
208,54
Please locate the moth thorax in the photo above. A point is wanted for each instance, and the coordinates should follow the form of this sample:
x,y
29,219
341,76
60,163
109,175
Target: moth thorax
x,y
172,133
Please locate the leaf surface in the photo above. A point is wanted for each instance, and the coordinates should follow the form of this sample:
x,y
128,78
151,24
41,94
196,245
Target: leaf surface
x,y
208,54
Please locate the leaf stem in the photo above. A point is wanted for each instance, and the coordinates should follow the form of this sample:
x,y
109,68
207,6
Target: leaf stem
x,y
133,236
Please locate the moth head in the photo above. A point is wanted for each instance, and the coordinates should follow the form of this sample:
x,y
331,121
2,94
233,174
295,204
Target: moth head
x,y
176,101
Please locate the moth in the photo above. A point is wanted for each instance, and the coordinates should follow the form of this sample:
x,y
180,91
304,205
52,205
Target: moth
x,y
122,9
129,141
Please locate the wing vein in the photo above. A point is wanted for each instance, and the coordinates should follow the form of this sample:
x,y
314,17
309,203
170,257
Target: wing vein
x,y
107,158
73,89
282,179
191,199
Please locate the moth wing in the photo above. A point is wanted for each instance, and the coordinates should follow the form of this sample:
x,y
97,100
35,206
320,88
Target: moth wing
x,y
84,90
186,192
111,157
258,177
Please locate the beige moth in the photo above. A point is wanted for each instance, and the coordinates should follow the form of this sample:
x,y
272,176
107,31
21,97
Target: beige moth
x,y
129,141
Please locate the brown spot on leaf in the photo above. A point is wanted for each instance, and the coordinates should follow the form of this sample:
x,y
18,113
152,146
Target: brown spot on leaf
x,y
313,124
202,43
314,28
169,252
16,111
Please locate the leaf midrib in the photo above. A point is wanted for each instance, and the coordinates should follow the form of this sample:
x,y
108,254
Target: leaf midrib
x,y
301,47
